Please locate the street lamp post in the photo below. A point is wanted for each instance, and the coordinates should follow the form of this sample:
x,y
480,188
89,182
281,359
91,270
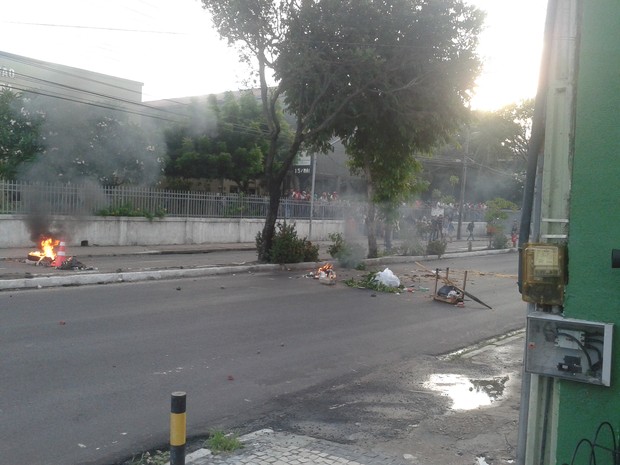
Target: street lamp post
x,y
463,181
313,164
462,198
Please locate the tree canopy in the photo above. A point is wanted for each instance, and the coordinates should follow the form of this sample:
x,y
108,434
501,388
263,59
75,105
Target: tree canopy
x,y
495,144
233,148
90,143
20,138
387,77
47,139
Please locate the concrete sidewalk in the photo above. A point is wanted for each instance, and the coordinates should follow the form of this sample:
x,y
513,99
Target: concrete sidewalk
x,y
133,263
266,447
20,253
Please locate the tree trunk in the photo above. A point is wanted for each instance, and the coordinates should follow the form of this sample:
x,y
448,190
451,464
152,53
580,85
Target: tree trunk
x,y
371,215
275,182
387,237
269,228
371,230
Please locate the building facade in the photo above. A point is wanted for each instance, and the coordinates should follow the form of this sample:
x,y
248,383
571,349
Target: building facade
x,y
28,75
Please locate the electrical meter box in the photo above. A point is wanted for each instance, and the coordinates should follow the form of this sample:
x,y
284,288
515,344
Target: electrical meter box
x,y
543,273
566,348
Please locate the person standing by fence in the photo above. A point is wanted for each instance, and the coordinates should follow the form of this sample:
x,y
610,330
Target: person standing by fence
x,y
470,230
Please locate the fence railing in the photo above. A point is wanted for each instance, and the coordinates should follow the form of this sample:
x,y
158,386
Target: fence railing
x,y
89,199
18,197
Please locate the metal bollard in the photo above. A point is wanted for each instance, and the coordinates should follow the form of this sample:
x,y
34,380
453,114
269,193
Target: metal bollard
x,y
177,428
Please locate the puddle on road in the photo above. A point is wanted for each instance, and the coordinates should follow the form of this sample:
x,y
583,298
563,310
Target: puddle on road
x,y
467,393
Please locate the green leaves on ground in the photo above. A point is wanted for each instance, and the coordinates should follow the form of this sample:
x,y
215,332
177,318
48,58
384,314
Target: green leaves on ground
x,y
368,281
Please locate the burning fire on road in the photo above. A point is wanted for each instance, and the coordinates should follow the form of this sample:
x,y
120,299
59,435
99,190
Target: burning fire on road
x,y
46,253
51,252
326,274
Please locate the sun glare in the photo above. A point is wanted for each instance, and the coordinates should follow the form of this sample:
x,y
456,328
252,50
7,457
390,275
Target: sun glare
x,y
510,47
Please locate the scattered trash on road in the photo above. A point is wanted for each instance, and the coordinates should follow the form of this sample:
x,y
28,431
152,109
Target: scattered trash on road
x,y
387,278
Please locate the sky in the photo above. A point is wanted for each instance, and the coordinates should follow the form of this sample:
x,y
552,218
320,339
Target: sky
x,y
171,48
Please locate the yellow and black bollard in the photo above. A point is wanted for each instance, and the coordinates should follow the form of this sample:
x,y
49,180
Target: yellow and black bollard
x,y
177,428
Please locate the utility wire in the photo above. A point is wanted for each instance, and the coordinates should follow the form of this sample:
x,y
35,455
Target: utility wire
x,y
72,90
95,28
95,104
78,74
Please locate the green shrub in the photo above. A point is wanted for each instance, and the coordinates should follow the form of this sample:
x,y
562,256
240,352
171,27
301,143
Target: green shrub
x,y
352,256
127,209
412,247
349,255
338,244
311,252
499,241
436,248
496,213
287,247
410,235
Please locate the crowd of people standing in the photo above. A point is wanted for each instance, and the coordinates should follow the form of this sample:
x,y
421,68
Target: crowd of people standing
x,y
294,194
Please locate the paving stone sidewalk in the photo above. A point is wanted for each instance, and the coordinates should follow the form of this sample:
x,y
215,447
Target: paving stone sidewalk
x,y
266,447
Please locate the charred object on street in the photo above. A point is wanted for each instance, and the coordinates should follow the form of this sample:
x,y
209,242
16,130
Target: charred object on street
x,y
325,274
449,283
74,264
449,293
47,255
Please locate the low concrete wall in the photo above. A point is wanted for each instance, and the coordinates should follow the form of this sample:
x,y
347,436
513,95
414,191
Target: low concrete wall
x,y
106,231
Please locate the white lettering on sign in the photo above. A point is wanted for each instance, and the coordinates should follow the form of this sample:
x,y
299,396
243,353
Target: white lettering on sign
x,y
7,72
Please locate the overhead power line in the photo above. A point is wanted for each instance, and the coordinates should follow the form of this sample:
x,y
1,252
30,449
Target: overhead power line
x,y
94,104
78,75
95,28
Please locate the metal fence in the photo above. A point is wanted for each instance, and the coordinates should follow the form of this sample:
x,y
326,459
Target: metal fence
x,y
90,199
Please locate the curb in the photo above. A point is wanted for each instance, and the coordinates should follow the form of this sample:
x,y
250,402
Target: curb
x,y
126,277
40,282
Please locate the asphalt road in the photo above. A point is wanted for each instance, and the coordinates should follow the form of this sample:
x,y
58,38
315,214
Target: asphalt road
x,y
87,372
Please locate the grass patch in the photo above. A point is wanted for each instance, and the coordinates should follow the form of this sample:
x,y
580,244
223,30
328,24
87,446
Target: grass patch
x,y
220,442
147,458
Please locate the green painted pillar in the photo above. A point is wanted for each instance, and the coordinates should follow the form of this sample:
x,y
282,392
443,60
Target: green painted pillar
x,y
593,290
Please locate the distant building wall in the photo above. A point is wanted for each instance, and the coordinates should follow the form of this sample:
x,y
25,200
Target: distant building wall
x,y
24,74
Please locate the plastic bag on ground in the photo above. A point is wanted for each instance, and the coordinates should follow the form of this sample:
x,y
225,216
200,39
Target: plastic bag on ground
x,y
387,278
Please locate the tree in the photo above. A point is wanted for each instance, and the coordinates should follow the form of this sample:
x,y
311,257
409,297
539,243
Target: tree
x,y
427,53
20,140
519,119
242,132
498,147
119,154
500,138
85,142
326,54
232,149
495,144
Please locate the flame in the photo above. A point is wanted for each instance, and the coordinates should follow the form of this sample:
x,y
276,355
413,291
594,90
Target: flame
x,y
46,249
325,268
326,272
